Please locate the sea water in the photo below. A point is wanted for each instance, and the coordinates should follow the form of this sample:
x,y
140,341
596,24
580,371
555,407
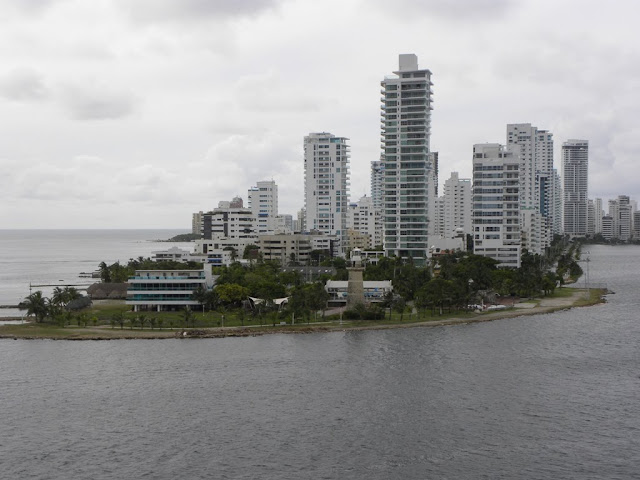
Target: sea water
x,y
31,258
536,397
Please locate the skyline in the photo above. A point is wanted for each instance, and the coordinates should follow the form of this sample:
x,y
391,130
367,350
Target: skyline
x,y
161,109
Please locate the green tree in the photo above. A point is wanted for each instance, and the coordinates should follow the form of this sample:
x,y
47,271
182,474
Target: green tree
x,y
105,273
119,318
35,304
231,293
188,317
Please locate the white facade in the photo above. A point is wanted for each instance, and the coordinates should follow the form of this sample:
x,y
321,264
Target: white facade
x,y
496,204
284,223
410,168
232,223
326,174
167,289
575,173
377,183
196,223
599,213
537,178
365,219
456,206
263,202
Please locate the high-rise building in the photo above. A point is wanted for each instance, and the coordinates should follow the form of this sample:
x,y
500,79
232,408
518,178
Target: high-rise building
x,y
537,192
326,173
456,206
599,213
591,218
410,168
556,206
377,183
575,174
263,202
196,223
496,203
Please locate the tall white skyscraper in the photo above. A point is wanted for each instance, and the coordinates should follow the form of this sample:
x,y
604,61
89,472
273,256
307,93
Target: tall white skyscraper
x,y
377,183
575,174
263,202
326,184
496,203
537,189
410,168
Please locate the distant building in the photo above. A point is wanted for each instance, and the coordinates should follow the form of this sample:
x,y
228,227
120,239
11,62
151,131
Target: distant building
x,y
575,172
496,204
326,174
377,184
231,222
285,249
364,219
456,206
263,202
196,223
537,190
174,254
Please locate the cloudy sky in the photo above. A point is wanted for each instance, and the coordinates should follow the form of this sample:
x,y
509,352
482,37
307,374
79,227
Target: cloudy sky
x,y
136,113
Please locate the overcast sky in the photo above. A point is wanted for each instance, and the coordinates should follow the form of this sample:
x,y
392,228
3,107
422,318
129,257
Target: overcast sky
x,y
136,113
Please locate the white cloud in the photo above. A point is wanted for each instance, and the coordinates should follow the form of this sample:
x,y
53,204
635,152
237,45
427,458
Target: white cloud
x,y
91,101
185,103
23,84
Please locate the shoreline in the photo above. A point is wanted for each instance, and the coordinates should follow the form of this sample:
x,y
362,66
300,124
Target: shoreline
x,y
32,331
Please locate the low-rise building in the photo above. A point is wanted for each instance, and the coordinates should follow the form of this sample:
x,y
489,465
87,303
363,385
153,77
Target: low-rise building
x,y
286,249
174,254
167,290
374,291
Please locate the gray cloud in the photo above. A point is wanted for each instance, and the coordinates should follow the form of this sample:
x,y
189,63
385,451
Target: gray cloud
x,y
172,10
29,6
23,85
450,9
95,102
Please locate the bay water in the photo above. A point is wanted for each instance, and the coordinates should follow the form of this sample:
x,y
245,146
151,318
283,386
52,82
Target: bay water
x,y
552,396
58,257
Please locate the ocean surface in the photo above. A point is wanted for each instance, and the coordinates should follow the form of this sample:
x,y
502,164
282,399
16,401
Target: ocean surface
x,y
58,257
551,396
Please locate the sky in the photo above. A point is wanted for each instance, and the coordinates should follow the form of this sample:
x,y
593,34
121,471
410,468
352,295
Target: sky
x,y
137,113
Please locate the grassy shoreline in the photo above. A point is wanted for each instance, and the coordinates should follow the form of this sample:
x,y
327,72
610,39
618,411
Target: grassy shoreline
x,y
569,298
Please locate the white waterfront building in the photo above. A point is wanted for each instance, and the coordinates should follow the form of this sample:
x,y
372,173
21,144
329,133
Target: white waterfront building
x,y
326,181
410,168
496,203
575,174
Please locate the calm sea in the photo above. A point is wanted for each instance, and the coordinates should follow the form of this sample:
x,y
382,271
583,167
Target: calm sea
x,y
542,397
58,257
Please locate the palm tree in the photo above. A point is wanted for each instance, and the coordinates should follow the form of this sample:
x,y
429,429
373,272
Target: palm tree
x,y
142,319
105,274
188,316
36,305
119,318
